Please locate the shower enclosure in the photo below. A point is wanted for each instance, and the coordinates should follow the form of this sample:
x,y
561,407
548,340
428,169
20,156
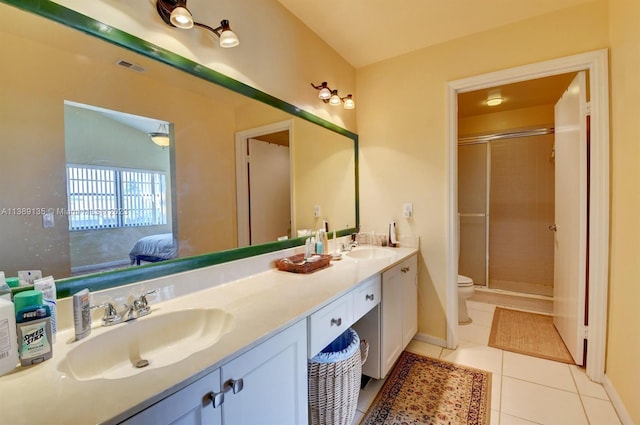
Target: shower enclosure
x,y
505,207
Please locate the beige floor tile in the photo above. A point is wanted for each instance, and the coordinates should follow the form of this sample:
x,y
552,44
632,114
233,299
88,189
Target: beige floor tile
x,y
600,412
474,333
424,349
541,404
368,394
586,386
540,371
496,391
512,420
475,355
476,305
495,417
480,317
358,418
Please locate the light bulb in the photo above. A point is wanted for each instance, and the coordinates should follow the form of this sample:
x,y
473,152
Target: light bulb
x,y
325,93
181,18
227,37
349,103
494,101
335,99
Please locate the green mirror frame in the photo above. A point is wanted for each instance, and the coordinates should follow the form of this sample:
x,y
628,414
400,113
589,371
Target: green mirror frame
x,y
68,286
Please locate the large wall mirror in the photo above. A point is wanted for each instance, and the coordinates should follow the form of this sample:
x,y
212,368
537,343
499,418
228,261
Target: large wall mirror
x,y
89,198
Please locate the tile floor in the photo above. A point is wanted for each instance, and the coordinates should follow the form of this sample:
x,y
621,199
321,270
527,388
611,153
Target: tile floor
x,y
525,390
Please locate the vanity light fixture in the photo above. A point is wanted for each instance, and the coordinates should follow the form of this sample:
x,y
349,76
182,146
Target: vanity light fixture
x,y
327,95
175,13
161,136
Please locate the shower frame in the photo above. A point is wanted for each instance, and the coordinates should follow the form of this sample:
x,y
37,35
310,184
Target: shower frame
x,y
486,140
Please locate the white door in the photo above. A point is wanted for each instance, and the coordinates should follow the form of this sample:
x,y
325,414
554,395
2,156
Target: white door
x,y
571,216
269,193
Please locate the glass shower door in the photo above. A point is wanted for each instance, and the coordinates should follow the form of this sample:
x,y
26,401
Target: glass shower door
x,y
473,214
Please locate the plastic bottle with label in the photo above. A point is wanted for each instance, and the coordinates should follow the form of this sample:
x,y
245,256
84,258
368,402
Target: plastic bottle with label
x,y
8,337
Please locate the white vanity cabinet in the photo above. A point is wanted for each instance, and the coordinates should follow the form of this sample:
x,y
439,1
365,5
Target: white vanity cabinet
x,y
189,406
330,321
266,385
274,376
390,327
399,311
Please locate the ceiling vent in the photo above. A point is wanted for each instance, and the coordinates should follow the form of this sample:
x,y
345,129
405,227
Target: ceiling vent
x,y
130,65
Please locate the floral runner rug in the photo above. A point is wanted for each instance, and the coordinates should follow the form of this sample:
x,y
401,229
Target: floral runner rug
x,y
422,390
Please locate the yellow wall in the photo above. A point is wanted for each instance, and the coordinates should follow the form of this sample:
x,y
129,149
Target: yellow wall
x,y
403,137
322,167
277,53
623,348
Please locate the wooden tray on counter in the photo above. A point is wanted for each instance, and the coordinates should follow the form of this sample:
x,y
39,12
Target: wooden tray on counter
x,y
296,263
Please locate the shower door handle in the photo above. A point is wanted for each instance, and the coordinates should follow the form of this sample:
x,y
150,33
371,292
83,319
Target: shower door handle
x,y
553,228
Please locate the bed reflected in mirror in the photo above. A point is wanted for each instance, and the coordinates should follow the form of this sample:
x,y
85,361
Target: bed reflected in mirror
x,y
119,189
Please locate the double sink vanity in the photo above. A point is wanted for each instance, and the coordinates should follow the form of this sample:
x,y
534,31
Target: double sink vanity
x,y
226,344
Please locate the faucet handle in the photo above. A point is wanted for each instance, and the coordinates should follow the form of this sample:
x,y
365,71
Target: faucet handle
x,y
141,304
111,315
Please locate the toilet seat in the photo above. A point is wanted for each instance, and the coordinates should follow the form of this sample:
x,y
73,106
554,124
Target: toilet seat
x,y
464,281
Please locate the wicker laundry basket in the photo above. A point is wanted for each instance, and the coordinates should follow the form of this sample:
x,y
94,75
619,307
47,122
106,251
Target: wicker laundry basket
x,y
334,385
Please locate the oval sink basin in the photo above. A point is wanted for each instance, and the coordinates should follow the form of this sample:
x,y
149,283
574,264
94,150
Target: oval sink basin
x,y
370,253
149,342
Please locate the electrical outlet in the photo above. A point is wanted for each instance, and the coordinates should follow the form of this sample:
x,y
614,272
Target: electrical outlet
x,y
316,211
407,210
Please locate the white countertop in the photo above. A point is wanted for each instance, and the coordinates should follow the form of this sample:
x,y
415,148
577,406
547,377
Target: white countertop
x,y
262,305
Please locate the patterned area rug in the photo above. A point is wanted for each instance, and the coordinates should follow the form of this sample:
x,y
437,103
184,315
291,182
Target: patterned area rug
x,y
527,333
422,390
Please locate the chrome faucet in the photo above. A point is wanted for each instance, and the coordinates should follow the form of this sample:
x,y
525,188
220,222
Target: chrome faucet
x,y
134,308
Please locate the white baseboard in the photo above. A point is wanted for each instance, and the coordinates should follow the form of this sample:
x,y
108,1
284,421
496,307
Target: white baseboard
x,y
616,401
429,339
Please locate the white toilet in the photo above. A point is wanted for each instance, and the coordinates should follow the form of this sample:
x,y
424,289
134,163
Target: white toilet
x,y
465,290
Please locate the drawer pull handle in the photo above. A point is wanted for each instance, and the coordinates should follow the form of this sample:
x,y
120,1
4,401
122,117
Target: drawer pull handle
x,y
337,322
233,385
369,297
405,269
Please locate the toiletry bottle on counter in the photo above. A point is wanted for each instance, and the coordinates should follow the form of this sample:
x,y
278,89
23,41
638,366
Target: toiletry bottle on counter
x,y
5,290
8,337
48,287
320,241
33,322
81,314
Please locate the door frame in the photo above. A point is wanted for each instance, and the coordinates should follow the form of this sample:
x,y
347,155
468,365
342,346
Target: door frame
x,y
242,183
596,62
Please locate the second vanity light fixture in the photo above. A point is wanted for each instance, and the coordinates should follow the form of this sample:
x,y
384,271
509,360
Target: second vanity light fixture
x,y
332,97
176,14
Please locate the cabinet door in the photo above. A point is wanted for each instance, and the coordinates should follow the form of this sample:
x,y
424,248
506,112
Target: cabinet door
x,y
391,318
189,406
409,271
274,381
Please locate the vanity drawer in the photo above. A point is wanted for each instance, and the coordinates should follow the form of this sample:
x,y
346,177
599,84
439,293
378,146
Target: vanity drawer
x,y
366,296
329,322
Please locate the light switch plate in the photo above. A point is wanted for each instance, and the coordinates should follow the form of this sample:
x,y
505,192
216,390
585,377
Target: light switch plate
x,y
407,210
316,211
48,220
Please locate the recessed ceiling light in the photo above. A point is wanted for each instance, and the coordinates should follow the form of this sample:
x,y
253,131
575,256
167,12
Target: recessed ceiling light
x,y
494,101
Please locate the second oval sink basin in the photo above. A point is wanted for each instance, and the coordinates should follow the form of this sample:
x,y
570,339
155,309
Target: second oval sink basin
x,y
149,342
370,253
